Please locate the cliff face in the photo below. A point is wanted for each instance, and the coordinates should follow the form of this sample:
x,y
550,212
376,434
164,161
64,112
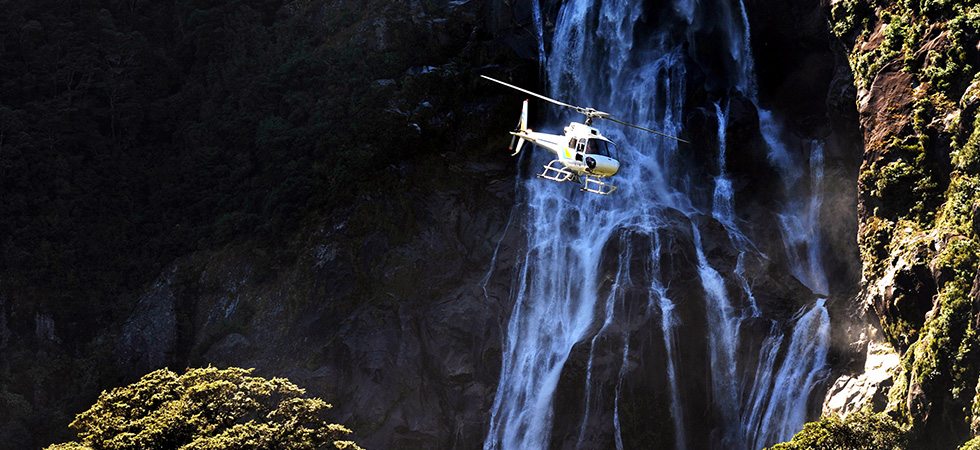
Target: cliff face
x,y
915,67
362,132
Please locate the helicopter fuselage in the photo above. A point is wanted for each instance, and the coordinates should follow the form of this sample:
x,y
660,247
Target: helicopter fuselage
x,y
582,149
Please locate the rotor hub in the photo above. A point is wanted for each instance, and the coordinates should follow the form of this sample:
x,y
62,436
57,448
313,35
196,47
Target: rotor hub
x,y
593,113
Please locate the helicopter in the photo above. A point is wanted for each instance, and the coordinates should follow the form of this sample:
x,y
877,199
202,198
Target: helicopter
x,y
584,155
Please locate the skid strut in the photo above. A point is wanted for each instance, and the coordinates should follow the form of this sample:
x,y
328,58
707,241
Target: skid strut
x,y
593,184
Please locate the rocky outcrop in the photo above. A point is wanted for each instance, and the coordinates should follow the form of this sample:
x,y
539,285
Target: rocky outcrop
x,y
869,386
913,69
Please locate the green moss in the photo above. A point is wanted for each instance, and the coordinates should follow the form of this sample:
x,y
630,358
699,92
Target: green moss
x,y
874,236
967,157
956,260
910,249
899,331
964,368
945,68
911,210
898,393
936,351
902,182
849,17
953,70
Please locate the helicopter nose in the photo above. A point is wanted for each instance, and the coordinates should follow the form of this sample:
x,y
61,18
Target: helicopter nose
x,y
590,161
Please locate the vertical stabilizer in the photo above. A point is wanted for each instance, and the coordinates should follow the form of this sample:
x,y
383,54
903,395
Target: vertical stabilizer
x,y
521,129
523,123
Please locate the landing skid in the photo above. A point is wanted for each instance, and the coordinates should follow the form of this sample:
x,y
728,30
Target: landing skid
x,y
594,185
556,171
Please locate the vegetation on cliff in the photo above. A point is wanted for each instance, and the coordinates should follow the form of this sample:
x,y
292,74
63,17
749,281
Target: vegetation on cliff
x,y
206,408
134,133
915,64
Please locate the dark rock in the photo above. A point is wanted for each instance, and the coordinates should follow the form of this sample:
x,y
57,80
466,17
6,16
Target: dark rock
x,y
5,332
904,295
970,101
918,403
718,246
794,62
755,180
975,298
228,349
149,336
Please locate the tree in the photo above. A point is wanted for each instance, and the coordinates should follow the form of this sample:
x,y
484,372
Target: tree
x,y
206,408
862,429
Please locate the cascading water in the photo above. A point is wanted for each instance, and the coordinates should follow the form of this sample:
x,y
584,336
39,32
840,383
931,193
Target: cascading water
x,y
604,54
539,31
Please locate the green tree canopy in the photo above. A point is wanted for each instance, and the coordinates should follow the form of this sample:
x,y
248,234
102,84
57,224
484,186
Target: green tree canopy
x,y
863,429
206,408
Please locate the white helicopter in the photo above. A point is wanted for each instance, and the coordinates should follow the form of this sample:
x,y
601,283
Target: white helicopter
x,y
584,154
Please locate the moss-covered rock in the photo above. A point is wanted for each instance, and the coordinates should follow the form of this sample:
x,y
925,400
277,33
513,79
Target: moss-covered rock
x,y
915,67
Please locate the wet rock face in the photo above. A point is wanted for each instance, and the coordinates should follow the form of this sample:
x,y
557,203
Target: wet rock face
x,y
597,381
401,332
639,382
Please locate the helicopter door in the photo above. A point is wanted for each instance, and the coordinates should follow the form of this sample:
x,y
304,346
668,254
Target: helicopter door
x,y
580,149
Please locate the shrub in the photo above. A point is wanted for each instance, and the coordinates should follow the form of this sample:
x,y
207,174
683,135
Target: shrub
x,y
206,408
862,429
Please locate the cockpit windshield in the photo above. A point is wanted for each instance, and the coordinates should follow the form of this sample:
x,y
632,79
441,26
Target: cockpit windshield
x,y
597,147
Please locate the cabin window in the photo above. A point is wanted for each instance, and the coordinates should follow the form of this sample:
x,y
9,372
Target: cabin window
x,y
597,147
572,142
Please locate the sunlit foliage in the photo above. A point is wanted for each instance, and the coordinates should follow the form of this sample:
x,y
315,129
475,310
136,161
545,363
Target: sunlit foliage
x,y
206,408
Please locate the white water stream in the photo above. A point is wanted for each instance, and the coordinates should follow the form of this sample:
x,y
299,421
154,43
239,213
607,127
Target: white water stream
x,y
604,54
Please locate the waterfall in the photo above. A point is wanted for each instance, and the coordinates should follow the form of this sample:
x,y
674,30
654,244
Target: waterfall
x,y
668,322
723,340
539,31
792,383
604,54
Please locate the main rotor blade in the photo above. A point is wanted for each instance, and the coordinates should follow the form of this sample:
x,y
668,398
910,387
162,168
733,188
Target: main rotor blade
x,y
647,129
587,111
577,108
